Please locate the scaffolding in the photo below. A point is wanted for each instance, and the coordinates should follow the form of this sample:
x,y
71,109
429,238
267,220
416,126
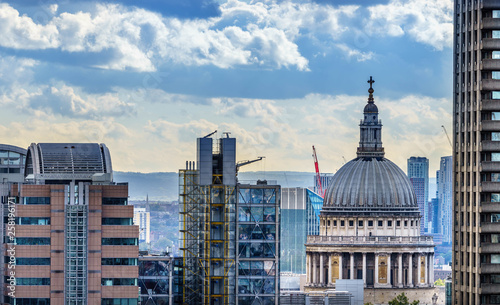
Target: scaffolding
x,y
207,220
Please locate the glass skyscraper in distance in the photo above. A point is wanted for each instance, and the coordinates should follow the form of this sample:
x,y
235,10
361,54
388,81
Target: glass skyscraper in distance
x,y
418,172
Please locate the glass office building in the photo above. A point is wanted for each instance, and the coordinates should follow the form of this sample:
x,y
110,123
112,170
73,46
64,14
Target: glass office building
x,y
300,208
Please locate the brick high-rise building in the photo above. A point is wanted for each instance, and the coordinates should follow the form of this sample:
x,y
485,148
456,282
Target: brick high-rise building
x,y
476,152
75,242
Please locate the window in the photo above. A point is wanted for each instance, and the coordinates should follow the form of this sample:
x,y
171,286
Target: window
x,y
116,301
495,238
406,223
334,223
370,223
360,223
495,177
114,201
117,221
389,223
495,34
351,223
411,223
121,261
495,54
398,223
495,258
36,200
495,95
495,279
31,281
31,301
26,261
342,223
328,222
495,116
495,197
32,241
119,242
495,136
496,13
33,221
495,217
119,282
380,223
495,75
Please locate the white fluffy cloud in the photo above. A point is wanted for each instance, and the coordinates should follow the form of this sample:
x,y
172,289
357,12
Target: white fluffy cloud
x,y
255,33
426,21
65,101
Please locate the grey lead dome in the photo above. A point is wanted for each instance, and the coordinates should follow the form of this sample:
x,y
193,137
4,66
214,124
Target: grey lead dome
x,y
370,182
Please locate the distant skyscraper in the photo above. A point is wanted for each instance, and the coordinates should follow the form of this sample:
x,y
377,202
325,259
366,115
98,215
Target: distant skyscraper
x,y
444,192
143,220
476,152
418,172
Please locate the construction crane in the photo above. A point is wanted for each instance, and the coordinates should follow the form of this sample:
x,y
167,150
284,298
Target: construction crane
x,y
318,176
246,162
447,135
210,134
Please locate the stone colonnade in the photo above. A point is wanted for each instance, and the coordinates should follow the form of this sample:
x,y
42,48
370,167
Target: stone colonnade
x,y
409,269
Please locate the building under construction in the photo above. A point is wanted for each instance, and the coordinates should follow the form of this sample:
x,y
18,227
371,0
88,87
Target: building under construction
x,y
229,231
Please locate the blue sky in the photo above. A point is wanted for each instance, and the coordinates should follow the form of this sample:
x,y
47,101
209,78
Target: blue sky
x,y
148,77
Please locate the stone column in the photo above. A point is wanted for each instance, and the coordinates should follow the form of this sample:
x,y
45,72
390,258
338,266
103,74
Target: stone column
x,y
340,266
364,268
314,278
352,266
329,282
308,268
431,269
426,278
376,269
400,270
410,269
389,269
321,269
419,268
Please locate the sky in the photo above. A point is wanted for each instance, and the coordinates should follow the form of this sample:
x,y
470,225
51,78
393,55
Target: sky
x,y
148,77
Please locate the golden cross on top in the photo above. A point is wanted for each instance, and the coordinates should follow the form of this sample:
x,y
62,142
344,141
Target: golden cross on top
x,y
371,81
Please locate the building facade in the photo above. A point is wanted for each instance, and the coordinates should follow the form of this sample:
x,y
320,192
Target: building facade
x,y
12,159
237,261
143,220
476,152
75,242
418,172
445,198
370,225
160,279
300,208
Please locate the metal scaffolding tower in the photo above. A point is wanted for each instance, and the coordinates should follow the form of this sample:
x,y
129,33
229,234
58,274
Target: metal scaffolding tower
x,y
207,220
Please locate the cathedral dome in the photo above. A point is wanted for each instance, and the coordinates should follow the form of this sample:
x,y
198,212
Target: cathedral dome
x,y
370,182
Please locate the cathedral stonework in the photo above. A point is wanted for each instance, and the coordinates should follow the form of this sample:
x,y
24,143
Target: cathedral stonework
x,y
370,223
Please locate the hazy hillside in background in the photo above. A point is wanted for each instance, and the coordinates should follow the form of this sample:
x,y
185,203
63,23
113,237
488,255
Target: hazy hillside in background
x,y
164,185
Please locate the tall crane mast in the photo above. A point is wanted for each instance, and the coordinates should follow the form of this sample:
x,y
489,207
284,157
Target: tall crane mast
x,y
318,176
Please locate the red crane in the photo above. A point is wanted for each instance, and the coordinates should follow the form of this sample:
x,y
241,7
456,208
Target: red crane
x,y
318,176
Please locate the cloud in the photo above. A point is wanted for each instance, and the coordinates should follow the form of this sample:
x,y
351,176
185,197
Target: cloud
x,y
426,21
357,54
65,101
255,33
